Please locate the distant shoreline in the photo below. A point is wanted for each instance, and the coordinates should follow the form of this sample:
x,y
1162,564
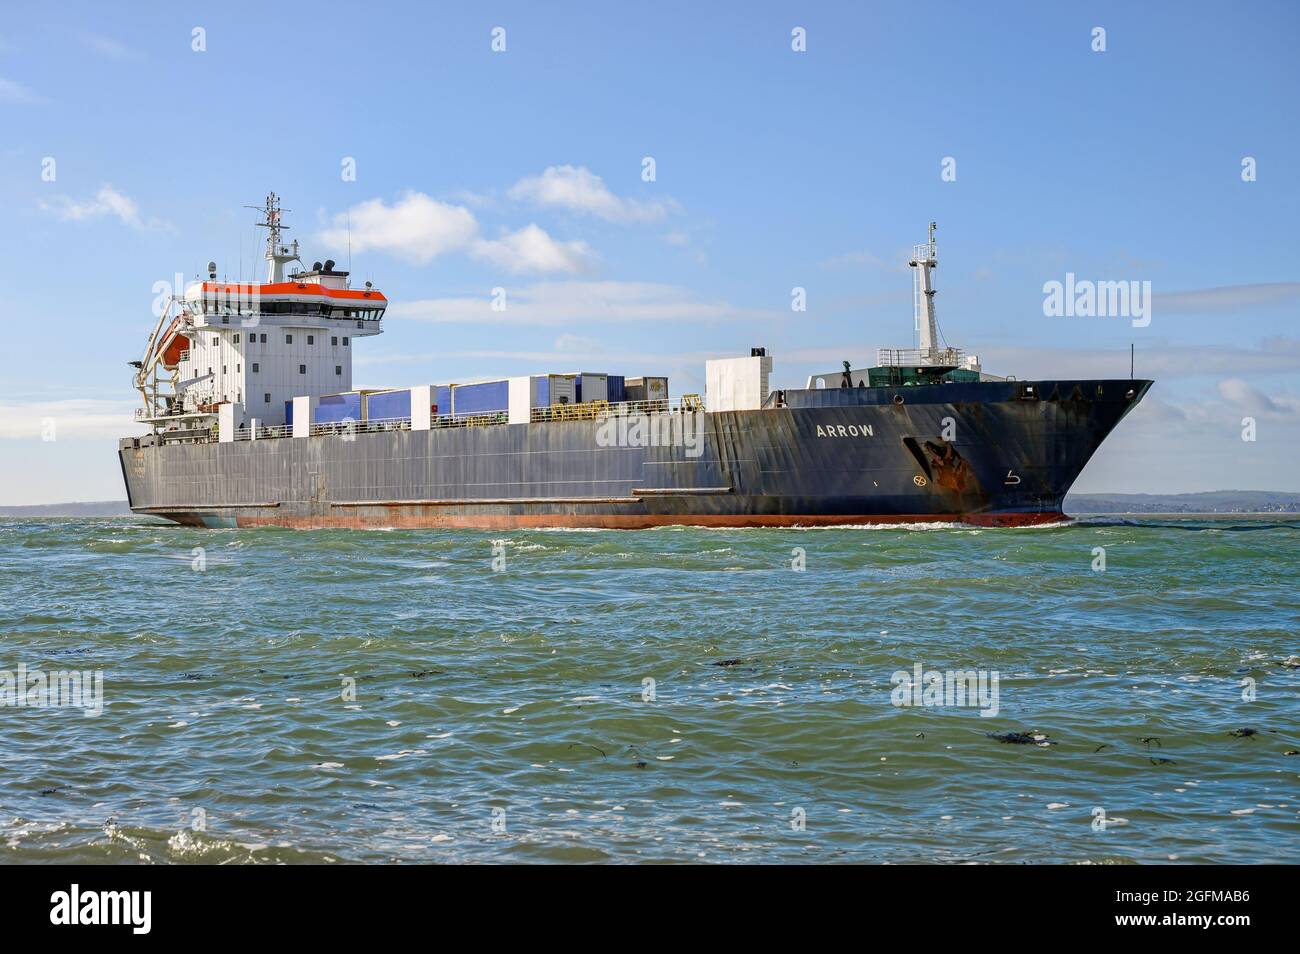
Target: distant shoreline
x,y
1174,514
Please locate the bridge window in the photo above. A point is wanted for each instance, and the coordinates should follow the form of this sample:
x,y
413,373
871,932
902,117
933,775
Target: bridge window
x,y
302,369
288,339
255,367
338,369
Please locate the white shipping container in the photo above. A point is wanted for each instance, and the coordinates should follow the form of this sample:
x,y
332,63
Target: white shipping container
x,y
736,384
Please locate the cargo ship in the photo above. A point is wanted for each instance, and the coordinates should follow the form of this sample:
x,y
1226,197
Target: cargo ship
x,y
246,390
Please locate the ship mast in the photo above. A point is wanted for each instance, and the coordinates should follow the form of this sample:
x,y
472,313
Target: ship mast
x,y
277,255
923,260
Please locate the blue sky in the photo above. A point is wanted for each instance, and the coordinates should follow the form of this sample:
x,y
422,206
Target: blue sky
x,y
774,169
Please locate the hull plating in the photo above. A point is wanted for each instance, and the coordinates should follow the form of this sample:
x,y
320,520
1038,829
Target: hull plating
x,y
982,453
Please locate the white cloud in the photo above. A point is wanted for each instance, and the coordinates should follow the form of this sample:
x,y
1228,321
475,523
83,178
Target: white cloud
x,y
556,303
530,249
578,189
415,228
1228,298
72,418
108,201
12,92
108,47
1241,395
1157,360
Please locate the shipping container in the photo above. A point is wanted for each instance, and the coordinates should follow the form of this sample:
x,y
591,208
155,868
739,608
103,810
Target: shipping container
x,y
486,397
617,395
646,389
562,389
442,399
387,405
551,389
333,408
591,386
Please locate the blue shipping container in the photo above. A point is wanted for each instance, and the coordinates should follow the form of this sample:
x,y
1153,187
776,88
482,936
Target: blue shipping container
x,y
388,405
484,398
288,413
442,398
616,393
334,408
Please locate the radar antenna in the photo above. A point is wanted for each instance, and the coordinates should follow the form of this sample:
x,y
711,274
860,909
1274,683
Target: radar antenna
x,y
277,255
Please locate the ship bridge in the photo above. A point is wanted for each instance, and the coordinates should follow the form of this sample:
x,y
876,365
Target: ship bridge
x,y
245,348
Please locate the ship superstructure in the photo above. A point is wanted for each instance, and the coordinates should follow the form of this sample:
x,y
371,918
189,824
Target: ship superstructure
x,y
254,420
243,349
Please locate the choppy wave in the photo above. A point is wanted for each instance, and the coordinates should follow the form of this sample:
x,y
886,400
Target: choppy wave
x,y
676,694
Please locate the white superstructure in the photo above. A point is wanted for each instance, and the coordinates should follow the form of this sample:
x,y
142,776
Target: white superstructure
x,y
251,347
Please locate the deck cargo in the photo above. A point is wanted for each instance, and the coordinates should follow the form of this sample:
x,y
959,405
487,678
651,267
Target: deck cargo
x,y
484,397
646,389
591,387
388,405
